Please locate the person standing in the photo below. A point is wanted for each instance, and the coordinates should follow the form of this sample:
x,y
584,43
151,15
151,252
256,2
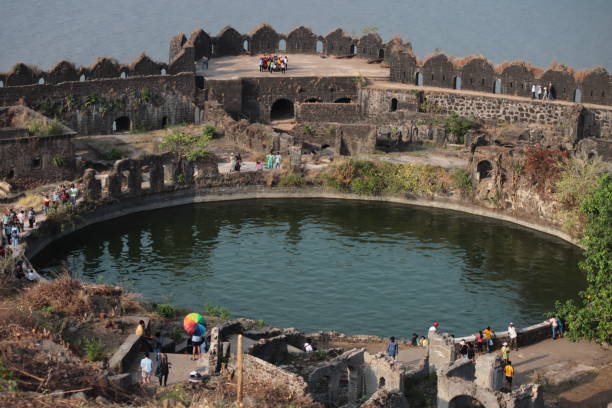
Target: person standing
x,y
538,91
21,217
505,352
46,204
554,325
73,192
146,366
31,217
488,338
195,342
163,369
415,339
513,336
509,373
479,341
392,348
308,347
533,91
14,236
277,161
434,327
544,93
463,349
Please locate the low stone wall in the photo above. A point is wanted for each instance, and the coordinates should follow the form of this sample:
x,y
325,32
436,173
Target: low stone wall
x,y
526,336
257,368
327,112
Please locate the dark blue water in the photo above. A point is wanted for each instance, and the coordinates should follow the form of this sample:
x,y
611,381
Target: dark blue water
x,y
577,33
356,267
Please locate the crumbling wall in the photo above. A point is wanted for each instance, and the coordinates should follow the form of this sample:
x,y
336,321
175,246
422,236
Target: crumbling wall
x,y
301,40
381,371
263,39
257,368
328,112
353,140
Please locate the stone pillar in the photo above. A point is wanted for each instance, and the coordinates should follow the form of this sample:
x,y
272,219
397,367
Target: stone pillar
x,y
156,177
490,371
92,188
214,352
295,157
114,184
135,177
441,350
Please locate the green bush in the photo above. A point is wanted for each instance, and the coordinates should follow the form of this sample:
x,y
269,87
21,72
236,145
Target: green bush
x,y
462,180
216,311
458,126
114,154
94,349
308,130
208,131
165,310
291,180
45,128
190,147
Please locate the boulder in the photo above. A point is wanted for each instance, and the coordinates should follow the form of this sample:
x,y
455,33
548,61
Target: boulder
x,y
121,381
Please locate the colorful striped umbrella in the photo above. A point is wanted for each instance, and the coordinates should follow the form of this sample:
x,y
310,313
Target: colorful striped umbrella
x,y
194,324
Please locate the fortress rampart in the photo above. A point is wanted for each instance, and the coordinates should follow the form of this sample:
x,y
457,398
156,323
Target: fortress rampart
x,y
473,72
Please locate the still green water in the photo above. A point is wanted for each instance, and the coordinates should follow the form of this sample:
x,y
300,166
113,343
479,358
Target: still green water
x,y
351,266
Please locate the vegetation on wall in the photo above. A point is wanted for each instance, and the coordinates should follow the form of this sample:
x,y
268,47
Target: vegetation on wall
x,y
190,147
45,128
542,167
458,126
591,317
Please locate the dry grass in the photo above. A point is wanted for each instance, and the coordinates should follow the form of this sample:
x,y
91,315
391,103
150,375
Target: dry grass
x,y
579,76
30,201
459,63
264,393
501,67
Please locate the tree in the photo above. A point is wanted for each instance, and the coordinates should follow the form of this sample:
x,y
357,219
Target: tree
x,y
369,29
190,147
591,317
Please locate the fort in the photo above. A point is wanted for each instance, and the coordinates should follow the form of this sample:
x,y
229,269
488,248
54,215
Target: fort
x,y
342,96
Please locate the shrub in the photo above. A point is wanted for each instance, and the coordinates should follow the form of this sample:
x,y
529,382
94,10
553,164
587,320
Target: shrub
x,y
165,310
308,130
94,349
216,311
462,180
458,126
45,128
114,154
58,161
542,166
291,180
188,146
209,131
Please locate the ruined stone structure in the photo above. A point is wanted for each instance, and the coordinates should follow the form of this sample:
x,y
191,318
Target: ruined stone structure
x,y
32,156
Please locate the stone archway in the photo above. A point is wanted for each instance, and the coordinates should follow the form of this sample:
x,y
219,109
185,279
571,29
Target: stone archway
x,y
122,124
465,401
484,169
282,109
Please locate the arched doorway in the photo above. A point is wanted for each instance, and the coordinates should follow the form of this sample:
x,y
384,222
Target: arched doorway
x,y
418,79
484,169
381,53
393,105
457,82
343,100
245,45
122,124
319,47
465,401
497,88
282,109
353,49
1,84
577,96
282,45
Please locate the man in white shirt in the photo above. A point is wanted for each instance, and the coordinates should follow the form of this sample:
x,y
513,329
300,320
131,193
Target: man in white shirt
x,y
513,336
146,366
308,347
533,91
434,327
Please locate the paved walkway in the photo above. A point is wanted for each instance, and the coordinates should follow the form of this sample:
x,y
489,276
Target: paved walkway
x,y
300,65
181,366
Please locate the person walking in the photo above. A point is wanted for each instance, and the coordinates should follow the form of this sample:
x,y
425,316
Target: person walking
x,y
538,91
509,373
479,341
14,236
31,217
552,322
195,342
146,366
415,339
392,348
163,369
533,91
513,336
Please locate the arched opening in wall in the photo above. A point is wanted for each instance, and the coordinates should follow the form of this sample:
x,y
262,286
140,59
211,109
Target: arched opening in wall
x,y
482,82
122,124
163,71
313,100
199,80
11,174
457,82
603,93
282,45
418,79
465,401
82,78
1,84
282,109
125,177
168,174
393,105
577,96
497,86
41,81
145,172
353,50
123,75
381,382
381,53
484,169
245,45
343,100
319,47
164,122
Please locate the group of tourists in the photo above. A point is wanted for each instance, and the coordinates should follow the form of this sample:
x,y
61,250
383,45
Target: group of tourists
x,y
61,195
273,63
543,92
272,161
154,344
14,223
